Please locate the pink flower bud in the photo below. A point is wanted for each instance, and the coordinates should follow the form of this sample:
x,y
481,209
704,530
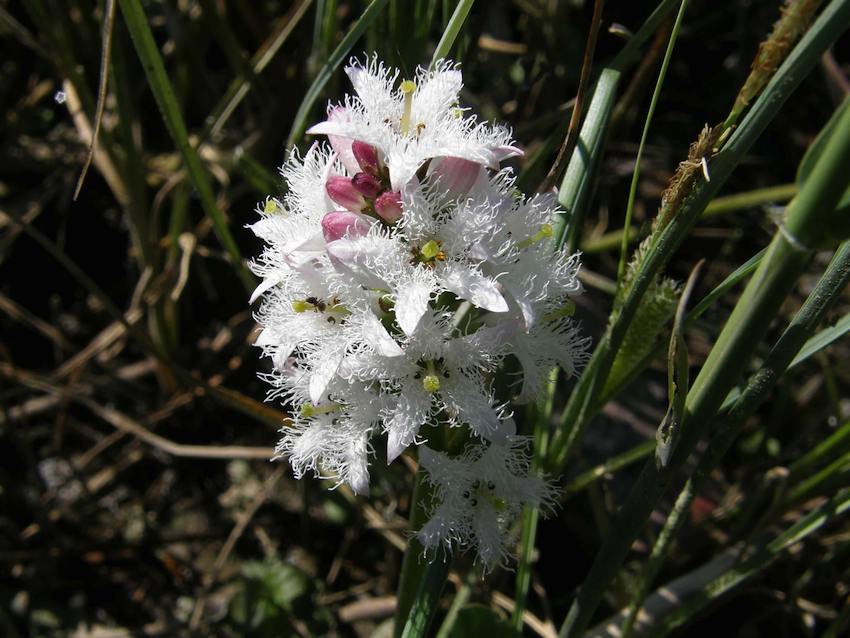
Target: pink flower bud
x,y
342,191
388,206
366,155
456,175
367,185
341,224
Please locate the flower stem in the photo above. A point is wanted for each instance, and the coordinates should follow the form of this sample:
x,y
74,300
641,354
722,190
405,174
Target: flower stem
x,y
413,565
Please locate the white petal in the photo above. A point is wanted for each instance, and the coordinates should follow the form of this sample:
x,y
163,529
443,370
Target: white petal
x,y
323,373
266,284
411,411
326,128
411,303
473,286
376,336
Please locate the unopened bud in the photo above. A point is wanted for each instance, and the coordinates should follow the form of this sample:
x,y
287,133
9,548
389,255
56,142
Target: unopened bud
x,y
366,156
388,206
366,184
341,190
339,224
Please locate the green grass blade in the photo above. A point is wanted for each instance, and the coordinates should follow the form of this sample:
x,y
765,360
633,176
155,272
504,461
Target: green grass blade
x,y
329,67
781,266
241,85
427,597
577,184
578,180
823,339
451,31
531,515
137,24
662,73
834,508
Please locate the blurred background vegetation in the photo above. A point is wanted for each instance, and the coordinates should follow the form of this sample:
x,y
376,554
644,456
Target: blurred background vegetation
x,y
137,496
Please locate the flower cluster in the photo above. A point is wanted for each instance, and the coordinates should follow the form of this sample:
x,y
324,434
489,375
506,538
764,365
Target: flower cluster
x,y
400,269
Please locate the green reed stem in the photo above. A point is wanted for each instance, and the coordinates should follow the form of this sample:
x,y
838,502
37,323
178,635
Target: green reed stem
x,y
530,514
584,398
786,258
450,33
801,328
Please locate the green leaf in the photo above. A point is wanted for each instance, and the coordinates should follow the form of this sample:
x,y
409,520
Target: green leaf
x,y
427,596
451,31
478,620
823,339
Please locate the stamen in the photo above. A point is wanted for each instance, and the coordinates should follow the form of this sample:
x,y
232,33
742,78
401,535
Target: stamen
x,y
308,410
544,232
407,87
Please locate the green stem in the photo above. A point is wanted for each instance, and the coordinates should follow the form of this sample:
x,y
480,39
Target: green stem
x,y
765,556
413,565
460,599
785,260
632,455
427,596
531,515
662,73
148,52
718,206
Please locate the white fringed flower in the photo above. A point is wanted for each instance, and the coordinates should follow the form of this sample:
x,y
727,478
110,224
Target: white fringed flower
x,y
371,260
479,496
414,122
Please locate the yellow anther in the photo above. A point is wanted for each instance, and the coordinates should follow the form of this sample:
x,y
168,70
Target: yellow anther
x,y
300,305
270,207
430,250
308,410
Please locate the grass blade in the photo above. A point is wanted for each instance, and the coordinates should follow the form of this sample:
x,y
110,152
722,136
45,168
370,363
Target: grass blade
x,y
427,597
328,68
783,263
662,73
146,49
451,31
